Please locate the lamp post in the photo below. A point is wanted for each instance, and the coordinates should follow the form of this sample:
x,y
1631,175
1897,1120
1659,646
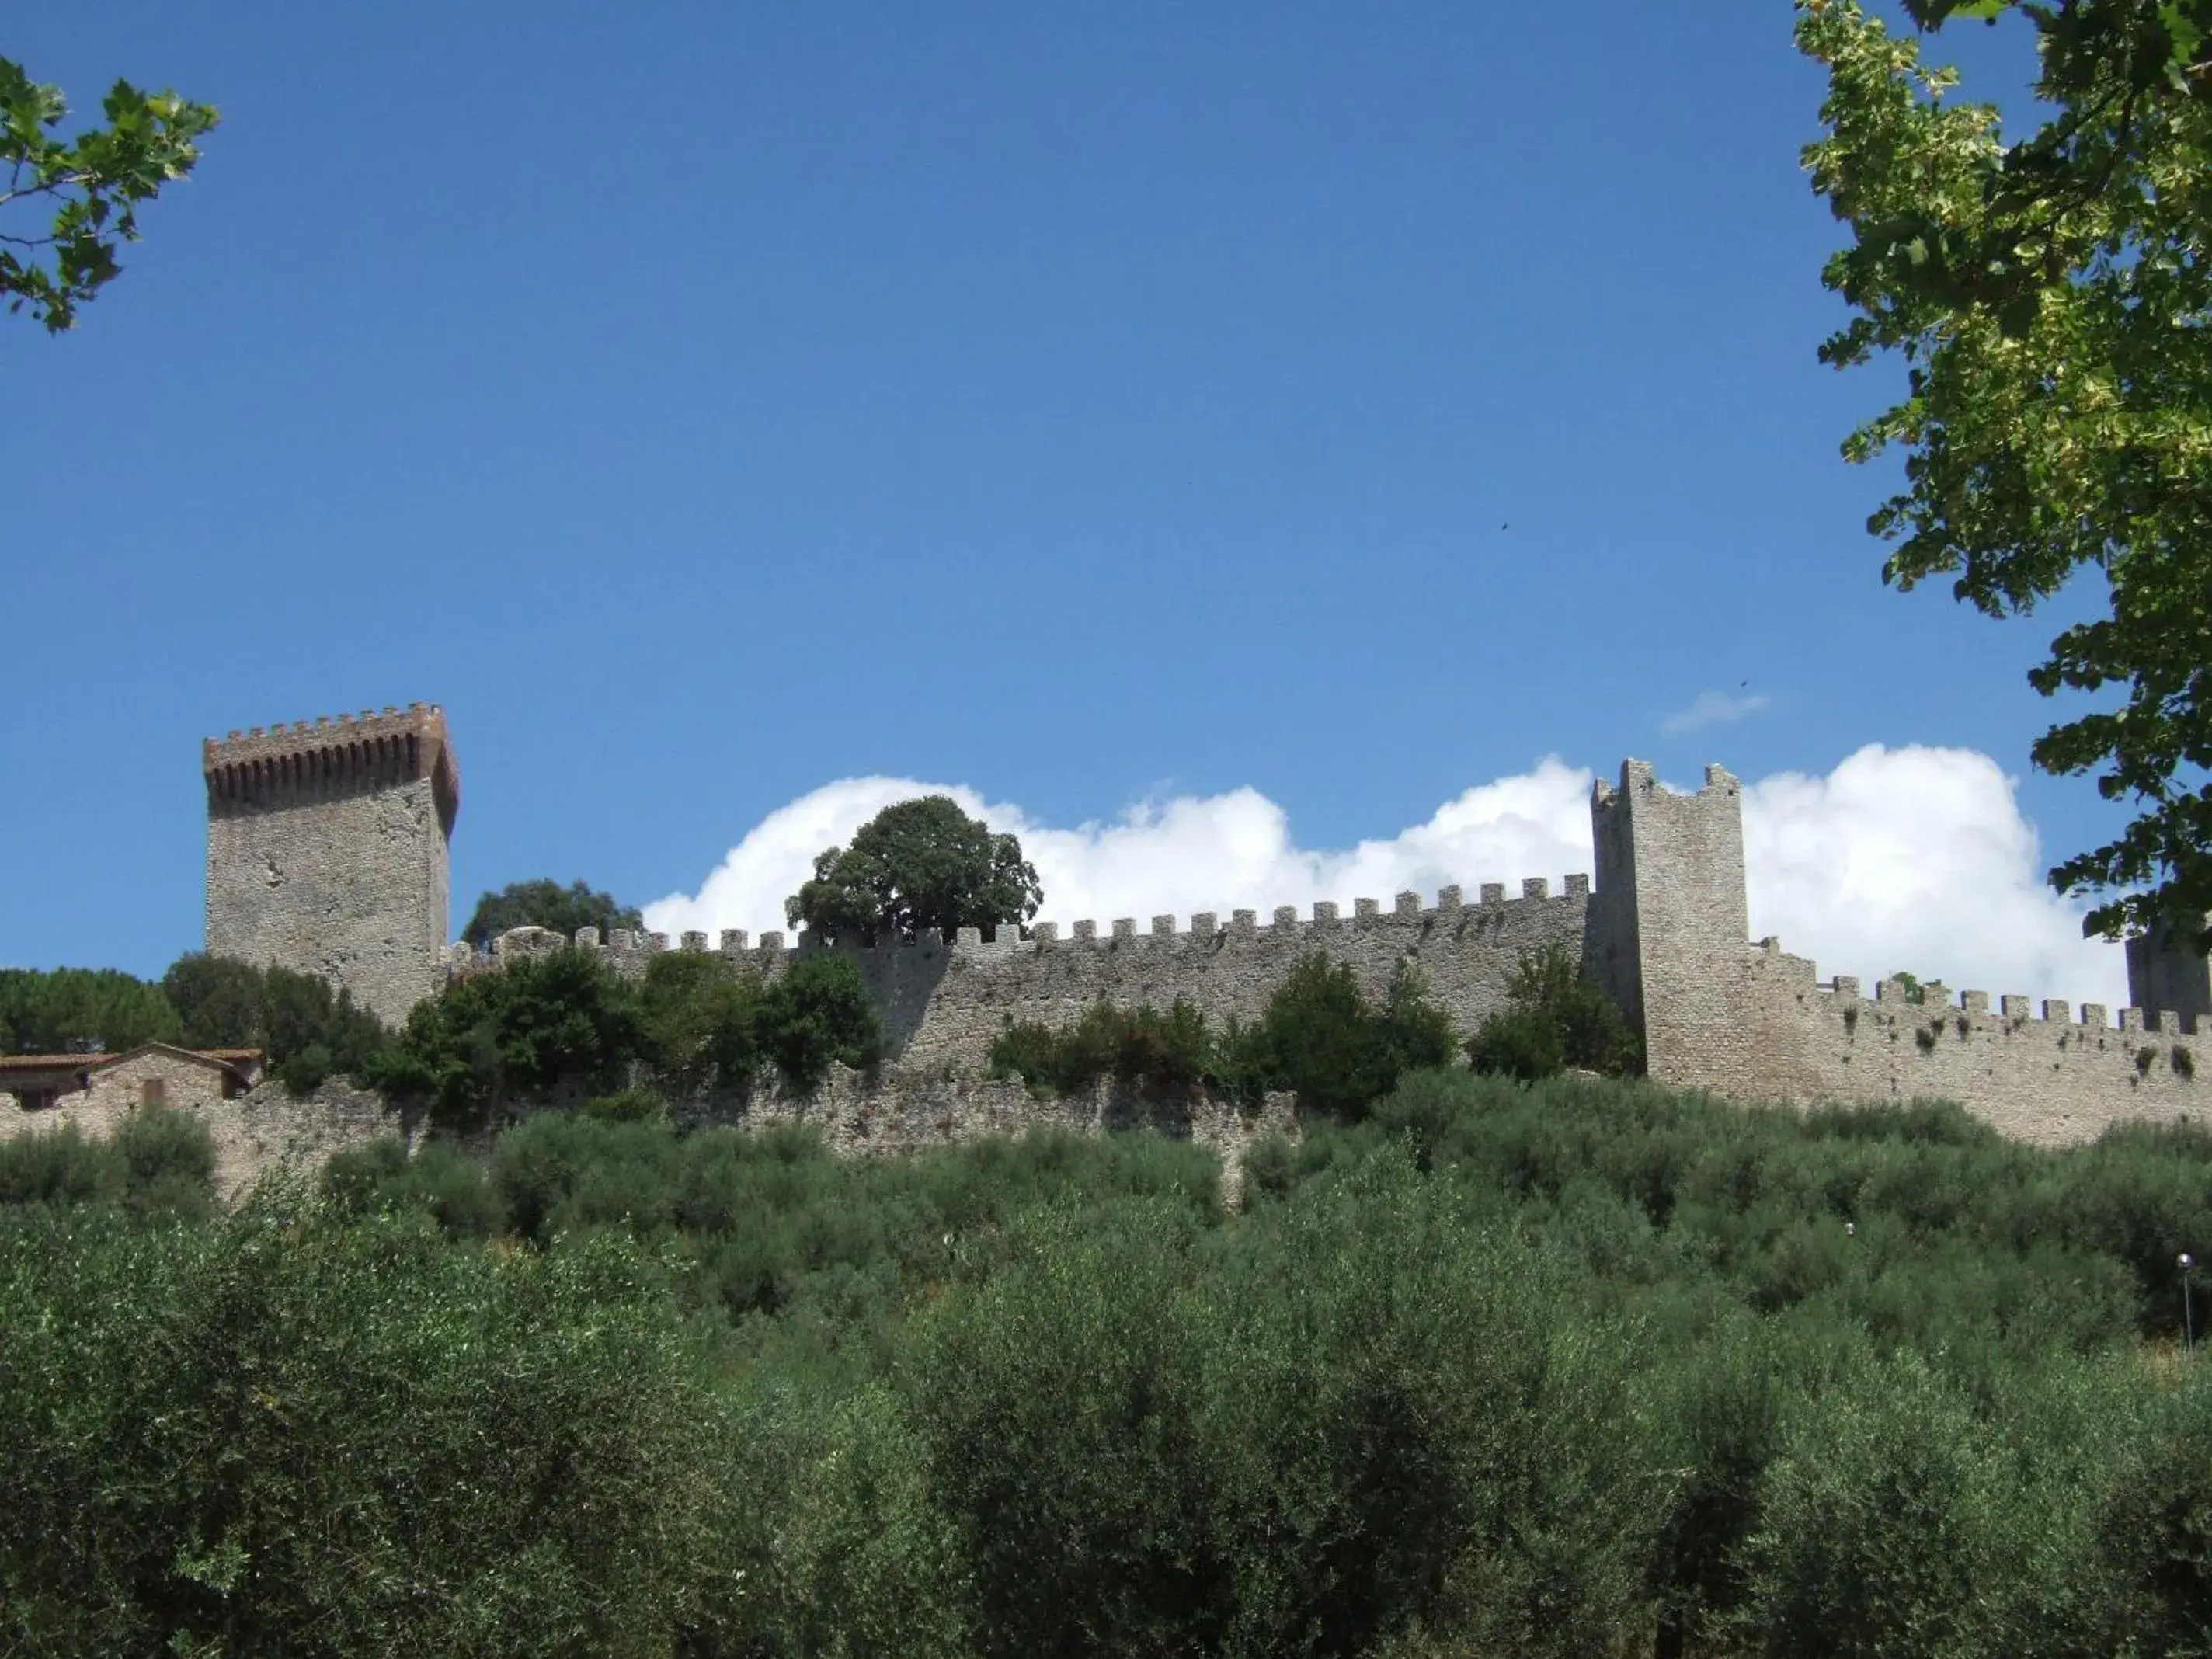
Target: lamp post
x,y
2188,1308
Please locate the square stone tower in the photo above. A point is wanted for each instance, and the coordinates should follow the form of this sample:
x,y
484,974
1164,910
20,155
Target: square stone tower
x,y
327,851
1669,927
2168,974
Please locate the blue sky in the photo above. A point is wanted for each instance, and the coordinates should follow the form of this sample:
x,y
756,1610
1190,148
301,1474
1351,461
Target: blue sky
x,y
705,404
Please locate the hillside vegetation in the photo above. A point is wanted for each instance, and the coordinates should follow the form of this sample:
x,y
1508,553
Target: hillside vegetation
x,y
1585,1367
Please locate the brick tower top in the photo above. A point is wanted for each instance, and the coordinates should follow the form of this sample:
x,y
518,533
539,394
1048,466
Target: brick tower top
x,y
327,851
399,745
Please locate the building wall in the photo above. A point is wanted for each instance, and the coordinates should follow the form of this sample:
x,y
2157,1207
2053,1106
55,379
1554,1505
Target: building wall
x,y
1670,870
327,854
2041,1073
942,1005
114,1090
1665,930
255,1133
911,1110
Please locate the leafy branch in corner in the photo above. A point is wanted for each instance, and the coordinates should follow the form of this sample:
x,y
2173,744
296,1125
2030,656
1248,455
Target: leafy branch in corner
x,y
2050,298
91,184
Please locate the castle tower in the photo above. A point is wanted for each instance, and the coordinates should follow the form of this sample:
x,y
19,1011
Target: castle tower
x,y
1669,933
2170,975
327,850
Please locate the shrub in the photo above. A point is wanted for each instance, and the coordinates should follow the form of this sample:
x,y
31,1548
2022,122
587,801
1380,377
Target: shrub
x,y
1141,1047
1521,1042
818,1013
309,1031
159,1164
283,1434
627,1106
1320,1038
439,1180
699,1015
168,1163
1557,1017
59,1167
559,1025
1323,1039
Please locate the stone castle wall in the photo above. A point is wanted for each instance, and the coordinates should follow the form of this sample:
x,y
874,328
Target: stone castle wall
x,y
942,1005
911,1110
327,852
258,1134
1664,929
2037,1072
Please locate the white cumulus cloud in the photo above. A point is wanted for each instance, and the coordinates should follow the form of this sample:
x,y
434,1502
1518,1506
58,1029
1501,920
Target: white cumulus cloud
x,y
1917,860
1714,708
1913,858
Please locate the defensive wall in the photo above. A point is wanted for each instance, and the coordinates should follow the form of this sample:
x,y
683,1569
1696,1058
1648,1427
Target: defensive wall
x,y
327,850
327,846
942,1004
256,1134
1663,929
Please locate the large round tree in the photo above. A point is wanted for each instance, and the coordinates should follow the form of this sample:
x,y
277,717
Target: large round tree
x,y
546,904
915,866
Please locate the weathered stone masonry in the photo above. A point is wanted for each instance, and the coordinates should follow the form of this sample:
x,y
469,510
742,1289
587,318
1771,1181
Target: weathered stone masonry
x,y
327,851
1664,929
942,1004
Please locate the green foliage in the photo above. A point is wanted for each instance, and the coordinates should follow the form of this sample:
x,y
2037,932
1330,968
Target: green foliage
x,y
159,1164
546,904
1557,1017
1581,1366
816,1014
627,1106
699,1015
2048,296
168,1163
92,184
917,865
562,1026
1141,1047
46,1012
439,1180
1321,1038
59,1167
1293,1445
307,1031
283,1434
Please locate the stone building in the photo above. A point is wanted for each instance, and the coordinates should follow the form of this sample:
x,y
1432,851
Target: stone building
x,y
151,1074
327,851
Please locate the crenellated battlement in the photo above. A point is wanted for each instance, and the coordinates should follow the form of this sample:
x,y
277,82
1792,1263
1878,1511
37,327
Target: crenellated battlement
x,y
327,849
1205,932
334,753
2040,1069
327,841
1933,1000
944,1003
